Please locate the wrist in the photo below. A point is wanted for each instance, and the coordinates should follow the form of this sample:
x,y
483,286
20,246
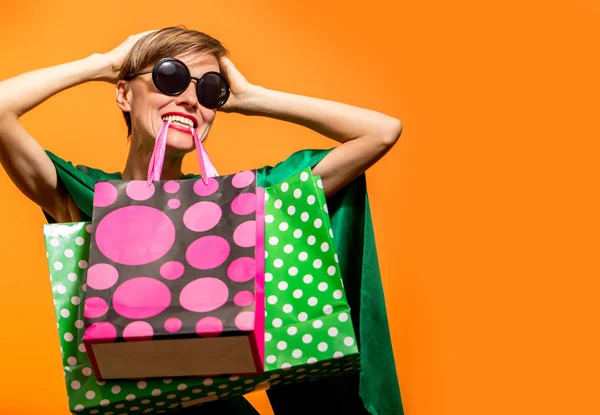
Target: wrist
x,y
250,102
100,68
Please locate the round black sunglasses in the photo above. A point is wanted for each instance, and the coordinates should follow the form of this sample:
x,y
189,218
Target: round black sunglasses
x,y
172,77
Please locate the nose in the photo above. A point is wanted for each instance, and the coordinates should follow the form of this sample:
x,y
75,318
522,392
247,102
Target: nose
x,y
188,97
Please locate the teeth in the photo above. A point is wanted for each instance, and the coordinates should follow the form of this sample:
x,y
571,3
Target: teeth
x,y
179,119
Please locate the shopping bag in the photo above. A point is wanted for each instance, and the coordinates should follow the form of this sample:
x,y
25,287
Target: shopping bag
x,y
308,318
175,283
67,248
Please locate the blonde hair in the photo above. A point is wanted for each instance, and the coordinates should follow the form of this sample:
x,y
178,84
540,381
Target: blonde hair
x,y
165,43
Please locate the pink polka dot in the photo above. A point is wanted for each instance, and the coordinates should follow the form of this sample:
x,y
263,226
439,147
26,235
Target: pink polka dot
x,y
243,298
202,216
141,297
138,330
102,276
173,203
173,325
100,331
105,194
204,294
94,307
139,190
244,204
245,321
245,234
209,188
242,179
207,252
171,187
135,235
209,327
242,269
171,270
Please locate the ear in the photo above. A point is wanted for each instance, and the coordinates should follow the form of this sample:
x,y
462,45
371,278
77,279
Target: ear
x,y
123,95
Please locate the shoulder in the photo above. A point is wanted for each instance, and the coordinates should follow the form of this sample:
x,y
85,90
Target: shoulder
x,y
63,166
79,182
294,163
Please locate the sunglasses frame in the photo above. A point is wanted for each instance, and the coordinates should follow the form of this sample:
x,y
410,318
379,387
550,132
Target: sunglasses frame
x,y
190,78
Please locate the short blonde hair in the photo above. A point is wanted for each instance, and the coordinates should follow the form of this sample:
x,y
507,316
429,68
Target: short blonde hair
x,y
165,43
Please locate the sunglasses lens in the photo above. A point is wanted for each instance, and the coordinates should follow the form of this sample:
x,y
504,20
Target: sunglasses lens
x,y
213,90
171,78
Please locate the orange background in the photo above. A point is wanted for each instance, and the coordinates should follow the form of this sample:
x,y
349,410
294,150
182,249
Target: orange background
x,y
485,211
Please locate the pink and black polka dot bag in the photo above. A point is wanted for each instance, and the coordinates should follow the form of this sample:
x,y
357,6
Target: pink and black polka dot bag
x,y
175,285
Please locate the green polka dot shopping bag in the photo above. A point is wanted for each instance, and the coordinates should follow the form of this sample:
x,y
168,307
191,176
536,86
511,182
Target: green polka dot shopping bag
x,y
308,317
308,331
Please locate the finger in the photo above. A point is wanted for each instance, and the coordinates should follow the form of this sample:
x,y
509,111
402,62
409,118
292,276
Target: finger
x,y
225,62
230,69
226,66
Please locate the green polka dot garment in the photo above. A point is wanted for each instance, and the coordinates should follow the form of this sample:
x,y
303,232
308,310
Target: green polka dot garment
x,y
308,318
299,350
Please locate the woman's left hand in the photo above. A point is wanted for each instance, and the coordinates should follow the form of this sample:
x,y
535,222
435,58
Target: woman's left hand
x,y
238,84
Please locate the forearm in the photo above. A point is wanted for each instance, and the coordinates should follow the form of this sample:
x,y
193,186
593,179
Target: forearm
x,y
338,121
366,135
26,91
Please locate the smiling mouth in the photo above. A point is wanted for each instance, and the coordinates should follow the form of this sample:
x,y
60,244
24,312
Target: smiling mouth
x,y
179,120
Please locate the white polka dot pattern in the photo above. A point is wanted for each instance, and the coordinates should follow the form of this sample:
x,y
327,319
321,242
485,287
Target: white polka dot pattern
x,y
305,293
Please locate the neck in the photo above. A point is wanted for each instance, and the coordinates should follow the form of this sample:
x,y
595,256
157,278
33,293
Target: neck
x,y
138,160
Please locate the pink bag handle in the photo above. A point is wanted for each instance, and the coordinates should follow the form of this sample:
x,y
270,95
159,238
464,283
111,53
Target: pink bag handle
x,y
207,169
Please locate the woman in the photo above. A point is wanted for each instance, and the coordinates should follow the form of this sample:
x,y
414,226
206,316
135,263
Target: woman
x,y
364,136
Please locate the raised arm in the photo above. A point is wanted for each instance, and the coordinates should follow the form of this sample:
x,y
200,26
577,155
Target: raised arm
x,y
366,135
25,161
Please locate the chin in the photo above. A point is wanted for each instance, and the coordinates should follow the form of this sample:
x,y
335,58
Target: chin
x,y
180,141
179,147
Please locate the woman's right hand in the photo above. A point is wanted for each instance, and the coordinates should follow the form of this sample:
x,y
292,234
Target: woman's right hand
x,y
116,56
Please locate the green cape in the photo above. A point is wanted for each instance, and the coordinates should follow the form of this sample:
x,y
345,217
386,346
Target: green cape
x,y
354,239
